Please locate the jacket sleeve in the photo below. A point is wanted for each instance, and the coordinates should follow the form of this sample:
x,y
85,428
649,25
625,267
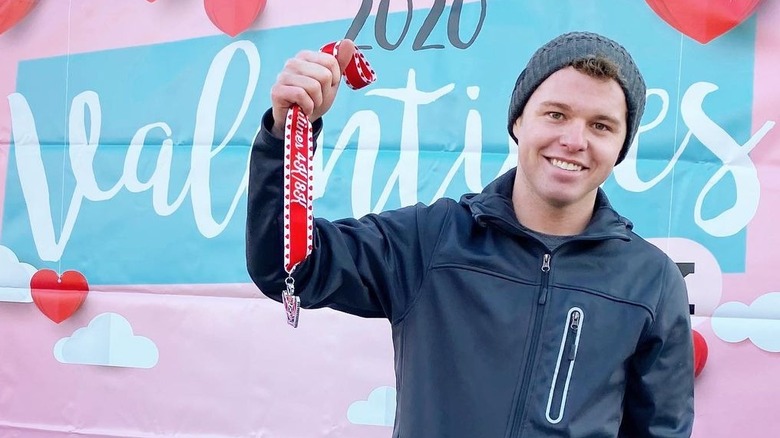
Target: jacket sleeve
x,y
659,392
371,267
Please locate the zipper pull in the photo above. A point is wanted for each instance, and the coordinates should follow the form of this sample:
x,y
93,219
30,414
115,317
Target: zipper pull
x,y
575,321
545,270
574,325
543,297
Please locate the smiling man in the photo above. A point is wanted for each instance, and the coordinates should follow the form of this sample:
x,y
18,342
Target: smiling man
x,y
528,310
571,130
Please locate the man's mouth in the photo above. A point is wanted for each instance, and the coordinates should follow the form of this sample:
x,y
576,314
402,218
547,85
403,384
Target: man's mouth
x,y
565,165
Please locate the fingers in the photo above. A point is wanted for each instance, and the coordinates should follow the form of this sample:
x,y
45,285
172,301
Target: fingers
x,y
309,80
346,53
304,90
285,96
318,65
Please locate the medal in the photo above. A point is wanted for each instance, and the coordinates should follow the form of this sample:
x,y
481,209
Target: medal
x,y
299,181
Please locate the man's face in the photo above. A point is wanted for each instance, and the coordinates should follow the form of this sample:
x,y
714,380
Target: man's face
x,y
569,137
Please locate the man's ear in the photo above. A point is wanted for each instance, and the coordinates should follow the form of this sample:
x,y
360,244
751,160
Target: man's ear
x,y
516,126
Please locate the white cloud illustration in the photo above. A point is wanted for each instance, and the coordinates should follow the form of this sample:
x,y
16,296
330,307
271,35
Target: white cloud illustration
x,y
378,410
760,322
14,277
107,341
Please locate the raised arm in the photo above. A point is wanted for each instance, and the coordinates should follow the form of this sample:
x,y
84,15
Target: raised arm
x,y
369,267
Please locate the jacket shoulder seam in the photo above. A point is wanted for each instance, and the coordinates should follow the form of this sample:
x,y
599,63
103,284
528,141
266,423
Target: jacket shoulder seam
x,y
483,271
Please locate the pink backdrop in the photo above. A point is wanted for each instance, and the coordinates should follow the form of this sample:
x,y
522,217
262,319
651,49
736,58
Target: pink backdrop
x,y
212,378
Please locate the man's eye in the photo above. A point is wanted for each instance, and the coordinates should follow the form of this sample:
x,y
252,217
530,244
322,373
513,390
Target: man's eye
x,y
555,115
601,127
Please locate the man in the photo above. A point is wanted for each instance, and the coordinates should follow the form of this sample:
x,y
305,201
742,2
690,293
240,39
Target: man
x,y
528,310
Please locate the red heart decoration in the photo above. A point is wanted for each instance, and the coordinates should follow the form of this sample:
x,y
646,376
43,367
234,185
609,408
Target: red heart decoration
x,y
58,297
13,11
233,16
700,353
703,20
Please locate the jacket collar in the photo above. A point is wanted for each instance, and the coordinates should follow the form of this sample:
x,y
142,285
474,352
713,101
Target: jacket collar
x,y
494,206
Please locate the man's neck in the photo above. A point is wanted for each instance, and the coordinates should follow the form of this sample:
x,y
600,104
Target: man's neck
x,y
538,215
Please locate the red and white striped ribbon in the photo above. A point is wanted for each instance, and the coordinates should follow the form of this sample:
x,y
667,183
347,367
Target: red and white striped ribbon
x,y
299,180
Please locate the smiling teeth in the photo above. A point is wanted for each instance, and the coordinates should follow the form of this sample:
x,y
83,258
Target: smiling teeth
x,y
565,166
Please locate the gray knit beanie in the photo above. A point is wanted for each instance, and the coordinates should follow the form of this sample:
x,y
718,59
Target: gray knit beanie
x,y
561,52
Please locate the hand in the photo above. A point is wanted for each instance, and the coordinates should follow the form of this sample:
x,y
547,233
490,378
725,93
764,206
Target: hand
x,y
310,80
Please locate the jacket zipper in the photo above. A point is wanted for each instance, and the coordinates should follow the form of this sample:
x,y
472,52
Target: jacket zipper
x,y
521,400
559,388
545,270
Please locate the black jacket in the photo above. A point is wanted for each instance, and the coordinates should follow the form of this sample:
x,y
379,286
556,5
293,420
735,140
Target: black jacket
x,y
495,335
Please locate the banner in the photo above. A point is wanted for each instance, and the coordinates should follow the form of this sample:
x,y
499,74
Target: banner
x,y
125,135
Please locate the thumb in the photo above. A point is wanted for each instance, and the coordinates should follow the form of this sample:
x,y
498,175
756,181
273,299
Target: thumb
x,y
346,53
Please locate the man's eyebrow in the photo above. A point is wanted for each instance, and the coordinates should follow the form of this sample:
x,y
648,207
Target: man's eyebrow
x,y
560,105
609,119
555,104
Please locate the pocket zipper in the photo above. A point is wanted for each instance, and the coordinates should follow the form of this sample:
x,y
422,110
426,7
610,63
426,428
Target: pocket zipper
x,y
567,356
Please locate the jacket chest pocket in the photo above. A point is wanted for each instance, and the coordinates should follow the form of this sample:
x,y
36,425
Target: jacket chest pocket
x,y
564,366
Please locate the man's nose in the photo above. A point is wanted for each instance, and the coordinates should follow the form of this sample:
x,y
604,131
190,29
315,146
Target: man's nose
x,y
573,136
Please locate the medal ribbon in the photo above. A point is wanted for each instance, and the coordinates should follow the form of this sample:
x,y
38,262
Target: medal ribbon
x,y
299,180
